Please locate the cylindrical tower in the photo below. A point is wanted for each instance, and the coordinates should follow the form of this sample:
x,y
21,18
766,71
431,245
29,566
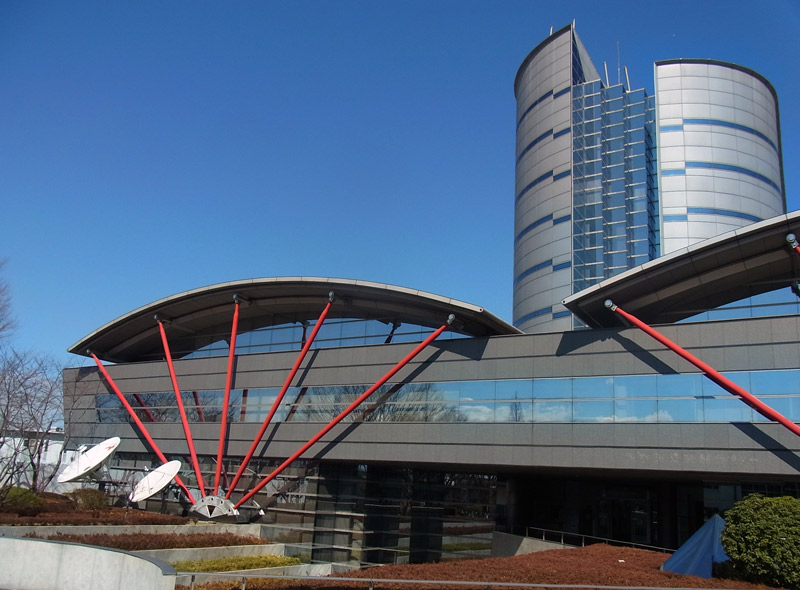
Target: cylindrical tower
x,y
543,192
719,150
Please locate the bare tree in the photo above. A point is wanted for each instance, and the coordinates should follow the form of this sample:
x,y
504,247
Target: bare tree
x,y
31,407
7,322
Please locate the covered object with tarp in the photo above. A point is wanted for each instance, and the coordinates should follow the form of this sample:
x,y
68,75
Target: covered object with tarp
x,y
697,555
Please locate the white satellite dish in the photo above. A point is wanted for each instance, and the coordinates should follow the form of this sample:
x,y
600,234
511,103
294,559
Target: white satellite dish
x,y
87,463
155,481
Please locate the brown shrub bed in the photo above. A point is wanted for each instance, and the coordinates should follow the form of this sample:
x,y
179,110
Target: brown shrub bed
x,y
596,565
59,510
143,541
74,517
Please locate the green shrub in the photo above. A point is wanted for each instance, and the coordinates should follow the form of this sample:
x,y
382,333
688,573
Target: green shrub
x,y
235,563
22,501
762,538
89,499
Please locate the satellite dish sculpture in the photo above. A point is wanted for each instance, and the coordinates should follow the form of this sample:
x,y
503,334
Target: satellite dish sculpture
x,y
155,481
89,463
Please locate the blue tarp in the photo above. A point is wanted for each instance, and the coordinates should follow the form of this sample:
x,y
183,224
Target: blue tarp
x,y
695,556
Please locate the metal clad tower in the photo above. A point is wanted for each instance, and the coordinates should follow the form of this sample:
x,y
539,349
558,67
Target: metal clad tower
x,y
586,195
719,149
608,178
543,192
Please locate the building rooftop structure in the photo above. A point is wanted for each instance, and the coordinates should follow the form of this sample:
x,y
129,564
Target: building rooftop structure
x,y
709,274
609,177
201,317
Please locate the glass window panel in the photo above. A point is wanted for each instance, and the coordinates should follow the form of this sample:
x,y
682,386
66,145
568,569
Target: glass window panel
x,y
593,411
726,409
514,390
741,379
636,410
552,411
613,118
788,405
773,382
452,391
477,412
477,390
680,410
589,387
517,411
552,388
446,412
635,386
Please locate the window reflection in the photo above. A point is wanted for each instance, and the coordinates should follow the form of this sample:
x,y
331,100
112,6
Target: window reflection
x,y
626,398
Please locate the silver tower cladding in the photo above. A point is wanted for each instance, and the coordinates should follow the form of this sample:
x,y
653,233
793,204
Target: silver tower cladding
x,y
719,150
586,199
608,178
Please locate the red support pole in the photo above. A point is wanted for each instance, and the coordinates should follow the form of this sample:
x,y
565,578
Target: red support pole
x,y
139,424
282,392
184,420
223,426
346,411
147,412
710,372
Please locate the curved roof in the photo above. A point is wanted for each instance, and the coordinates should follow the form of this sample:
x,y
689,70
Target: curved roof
x,y
197,317
748,261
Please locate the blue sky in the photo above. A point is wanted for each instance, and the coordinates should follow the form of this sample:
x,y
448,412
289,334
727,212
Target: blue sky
x,y
148,148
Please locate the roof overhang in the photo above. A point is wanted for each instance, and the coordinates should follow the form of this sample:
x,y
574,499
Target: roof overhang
x,y
730,267
198,317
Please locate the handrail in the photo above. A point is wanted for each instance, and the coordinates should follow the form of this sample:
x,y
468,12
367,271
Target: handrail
x,y
583,538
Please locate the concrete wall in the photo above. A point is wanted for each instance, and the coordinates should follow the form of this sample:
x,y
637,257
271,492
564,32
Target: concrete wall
x,y
204,553
309,569
505,545
203,528
33,564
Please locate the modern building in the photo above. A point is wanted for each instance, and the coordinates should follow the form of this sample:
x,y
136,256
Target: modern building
x,y
380,424
608,177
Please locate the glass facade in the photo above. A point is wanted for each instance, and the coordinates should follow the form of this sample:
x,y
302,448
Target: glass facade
x,y
615,219
334,333
628,398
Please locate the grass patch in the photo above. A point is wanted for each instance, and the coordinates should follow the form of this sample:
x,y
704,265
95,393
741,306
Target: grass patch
x,y
235,563
466,546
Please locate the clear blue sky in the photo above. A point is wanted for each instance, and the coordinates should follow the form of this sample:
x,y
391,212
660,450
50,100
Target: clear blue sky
x,y
150,147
